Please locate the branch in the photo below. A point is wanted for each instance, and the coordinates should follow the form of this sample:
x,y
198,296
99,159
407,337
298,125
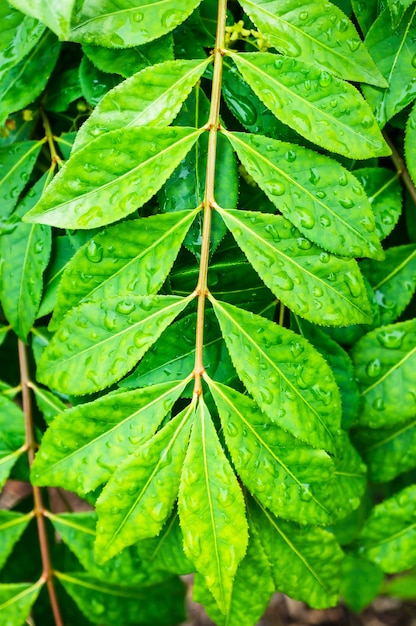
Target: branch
x,y
401,168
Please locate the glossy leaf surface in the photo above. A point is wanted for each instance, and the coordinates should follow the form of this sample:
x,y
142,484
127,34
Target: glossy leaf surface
x,y
385,369
127,259
108,179
12,526
16,600
287,378
211,510
84,445
409,143
18,34
300,95
12,436
294,481
315,30
335,215
388,536
126,24
316,285
16,165
56,15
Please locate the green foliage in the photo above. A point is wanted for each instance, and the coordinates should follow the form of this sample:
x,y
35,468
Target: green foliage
x,y
202,333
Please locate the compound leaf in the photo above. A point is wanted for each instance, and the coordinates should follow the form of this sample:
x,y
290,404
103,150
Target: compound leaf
x,y
130,258
84,445
151,97
211,510
325,201
388,536
12,526
316,285
124,25
140,495
109,179
319,106
290,478
286,376
385,366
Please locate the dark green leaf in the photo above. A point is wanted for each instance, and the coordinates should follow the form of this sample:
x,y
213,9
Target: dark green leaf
x,y
287,377
409,144
108,179
397,10
361,582
12,436
16,600
12,526
62,251
325,201
318,31
314,284
85,444
66,88
16,165
211,510
18,34
319,106
94,83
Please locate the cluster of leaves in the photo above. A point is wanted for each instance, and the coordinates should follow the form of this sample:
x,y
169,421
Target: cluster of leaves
x,y
200,324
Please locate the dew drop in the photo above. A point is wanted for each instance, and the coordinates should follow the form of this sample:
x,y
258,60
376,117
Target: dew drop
x,y
275,188
290,156
315,176
94,252
378,404
306,218
138,17
304,244
325,221
343,180
283,281
303,15
325,79
353,44
347,203
373,368
391,339
353,284
125,307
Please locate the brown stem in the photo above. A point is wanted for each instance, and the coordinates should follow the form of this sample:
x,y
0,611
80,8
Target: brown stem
x,y
55,158
209,197
401,168
38,507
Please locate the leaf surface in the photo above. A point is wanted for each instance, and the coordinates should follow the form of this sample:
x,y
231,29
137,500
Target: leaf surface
x,y
56,15
141,493
320,107
127,24
12,526
286,376
85,444
325,202
287,476
151,97
211,510
361,582
409,143
18,34
315,30
385,366
316,285
388,536
16,600
109,179
16,165
12,436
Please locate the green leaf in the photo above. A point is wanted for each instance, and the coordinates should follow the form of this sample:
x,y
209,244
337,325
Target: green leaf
x,y
25,251
299,95
85,444
385,361
16,600
393,51
350,478
286,376
12,526
393,280
402,587
109,179
26,80
62,251
141,493
290,478
130,60
211,510
12,436
388,536
152,97
388,451
305,560
125,25
254,574
383,189
409,144
361,582
18,34
56,16
16,165
313,30
316,285
94,83
66,89
325,201
48,403
366,12
131,605
130,258
397,10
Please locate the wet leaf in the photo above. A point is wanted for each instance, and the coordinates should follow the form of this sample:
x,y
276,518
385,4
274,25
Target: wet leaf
x,y
48,403
108,179
94,83
315,30
56,16
16,600
397,10
12,525
18,34
16,165
300,95
286,376
62,252
12,436
325,202
211,510
314,284
409,143
85,444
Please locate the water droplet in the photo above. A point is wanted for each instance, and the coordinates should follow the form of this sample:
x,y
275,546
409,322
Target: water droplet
x,y
320,194
125,307
283,281
290,156
304,244
303,15
94,252
278,63
171,18
137,17
391,339
325,79
373,368
306,218
272,230
325,221
343,180
317,291
378,404
353,284
296,349
353,44
275,188
414,60
315,176
347,203
38,247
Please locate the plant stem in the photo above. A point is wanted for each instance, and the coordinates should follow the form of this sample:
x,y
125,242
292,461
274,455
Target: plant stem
x,y
38,507
401,168
55,158
209,202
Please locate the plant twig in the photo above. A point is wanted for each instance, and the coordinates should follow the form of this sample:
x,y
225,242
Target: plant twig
x,y
55,158
38,509
401,168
